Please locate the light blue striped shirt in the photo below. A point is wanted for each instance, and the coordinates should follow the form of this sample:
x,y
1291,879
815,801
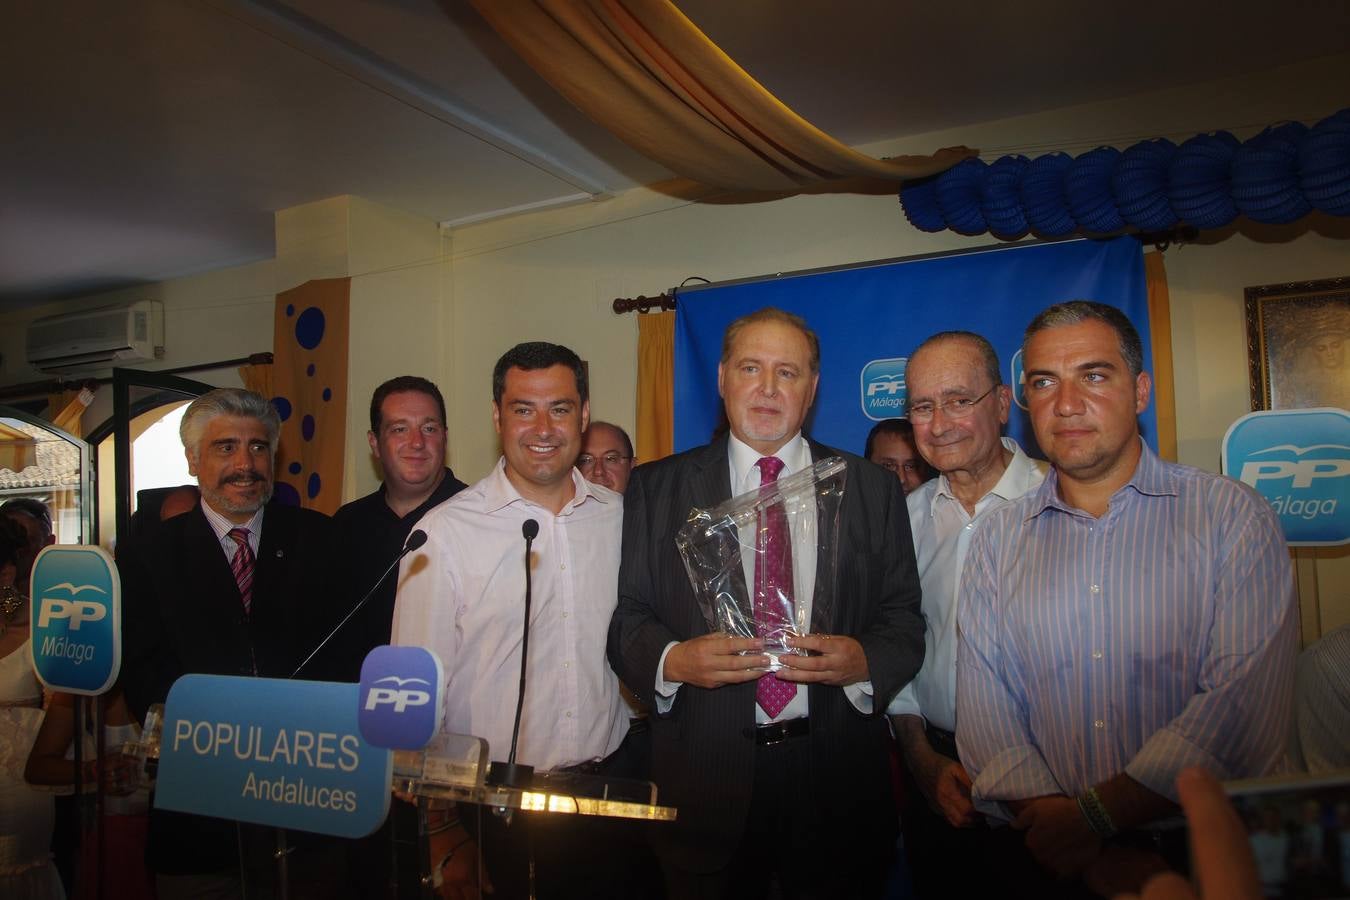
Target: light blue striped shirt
x,y
1160,636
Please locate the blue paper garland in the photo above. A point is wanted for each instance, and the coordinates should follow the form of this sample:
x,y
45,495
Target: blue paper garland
x,y
1275,177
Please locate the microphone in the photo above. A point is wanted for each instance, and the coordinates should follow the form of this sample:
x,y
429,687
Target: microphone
x,y
415,540
509,774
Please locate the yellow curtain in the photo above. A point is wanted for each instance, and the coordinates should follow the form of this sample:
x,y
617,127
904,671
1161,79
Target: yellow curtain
x,y
68,410
645,72
656,386
258,379
309,388
1160,332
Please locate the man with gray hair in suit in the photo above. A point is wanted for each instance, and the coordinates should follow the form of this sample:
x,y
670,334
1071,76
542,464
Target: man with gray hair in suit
x,y
232,587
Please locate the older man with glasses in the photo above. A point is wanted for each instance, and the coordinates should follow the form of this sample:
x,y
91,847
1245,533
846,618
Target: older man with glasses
x,y
958,406
606,456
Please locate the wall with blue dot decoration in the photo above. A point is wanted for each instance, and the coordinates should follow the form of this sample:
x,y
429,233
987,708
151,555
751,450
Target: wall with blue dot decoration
x,y
310,384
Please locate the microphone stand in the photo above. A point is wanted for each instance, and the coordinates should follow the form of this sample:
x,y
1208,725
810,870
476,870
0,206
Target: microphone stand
x,y
509,774
283,850
415,540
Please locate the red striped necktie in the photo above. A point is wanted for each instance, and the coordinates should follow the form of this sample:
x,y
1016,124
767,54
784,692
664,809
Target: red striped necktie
x,y
773,586
243,565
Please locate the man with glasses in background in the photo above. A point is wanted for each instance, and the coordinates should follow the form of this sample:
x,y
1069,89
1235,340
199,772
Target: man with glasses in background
x,y
606,456
890,444
958,405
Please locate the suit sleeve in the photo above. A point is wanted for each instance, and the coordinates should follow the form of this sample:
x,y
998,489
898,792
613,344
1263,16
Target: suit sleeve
x,y
892,639
149,666
637,636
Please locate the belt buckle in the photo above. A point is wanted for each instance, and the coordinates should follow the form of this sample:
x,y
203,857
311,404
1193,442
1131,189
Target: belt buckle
x,y
773,733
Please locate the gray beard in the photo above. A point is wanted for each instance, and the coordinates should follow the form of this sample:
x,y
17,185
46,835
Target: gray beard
x,y
219,500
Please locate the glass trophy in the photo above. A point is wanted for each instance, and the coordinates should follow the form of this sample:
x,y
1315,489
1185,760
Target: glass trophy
x,y
728,549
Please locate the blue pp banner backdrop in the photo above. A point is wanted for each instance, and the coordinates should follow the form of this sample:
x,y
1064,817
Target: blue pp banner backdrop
x,y
272,752
77,619
1299,460
400,697
870,317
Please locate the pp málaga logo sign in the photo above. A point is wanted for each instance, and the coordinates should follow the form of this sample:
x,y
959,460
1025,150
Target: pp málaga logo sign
x,y
884,395
77,619
1299,460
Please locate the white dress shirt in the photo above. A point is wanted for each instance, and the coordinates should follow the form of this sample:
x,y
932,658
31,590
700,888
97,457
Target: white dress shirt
x,y
462,595
942,531
223,526
745,477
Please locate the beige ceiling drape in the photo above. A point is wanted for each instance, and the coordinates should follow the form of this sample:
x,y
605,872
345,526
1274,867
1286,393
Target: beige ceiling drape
x,y
645,72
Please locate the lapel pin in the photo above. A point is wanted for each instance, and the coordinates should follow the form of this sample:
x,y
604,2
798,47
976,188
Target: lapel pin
x,y
280,554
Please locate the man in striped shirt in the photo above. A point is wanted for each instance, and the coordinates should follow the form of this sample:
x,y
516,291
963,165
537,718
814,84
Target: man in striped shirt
x,y
1130,618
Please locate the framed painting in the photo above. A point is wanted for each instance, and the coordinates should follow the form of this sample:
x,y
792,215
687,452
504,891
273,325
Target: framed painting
x,y
1298,344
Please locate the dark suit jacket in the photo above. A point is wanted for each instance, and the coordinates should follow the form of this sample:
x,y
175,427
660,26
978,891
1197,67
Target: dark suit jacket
x,y
181,613
702,756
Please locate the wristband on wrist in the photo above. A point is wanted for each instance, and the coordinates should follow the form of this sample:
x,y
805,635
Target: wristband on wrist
x,y
1098,819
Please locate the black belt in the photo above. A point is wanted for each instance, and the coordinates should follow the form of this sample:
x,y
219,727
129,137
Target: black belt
x,y
777,732
942,741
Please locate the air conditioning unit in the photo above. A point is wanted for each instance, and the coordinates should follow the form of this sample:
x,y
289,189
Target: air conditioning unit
x,y
97,338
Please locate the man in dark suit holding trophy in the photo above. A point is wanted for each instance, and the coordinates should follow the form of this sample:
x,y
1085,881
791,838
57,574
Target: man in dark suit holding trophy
x,y
777,776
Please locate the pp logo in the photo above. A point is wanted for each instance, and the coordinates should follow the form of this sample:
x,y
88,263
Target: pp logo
x,y
400,697
1299,460
883,388
77,627
1015,374
75,612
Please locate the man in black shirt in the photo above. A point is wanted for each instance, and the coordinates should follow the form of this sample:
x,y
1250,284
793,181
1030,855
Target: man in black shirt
x,y
407,435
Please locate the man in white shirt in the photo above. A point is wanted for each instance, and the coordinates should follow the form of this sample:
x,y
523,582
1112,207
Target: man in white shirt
x,y
958,406
462,595
779,779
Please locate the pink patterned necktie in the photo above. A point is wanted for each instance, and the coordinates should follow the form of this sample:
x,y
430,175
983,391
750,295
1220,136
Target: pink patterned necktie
x,y
243,564
773,586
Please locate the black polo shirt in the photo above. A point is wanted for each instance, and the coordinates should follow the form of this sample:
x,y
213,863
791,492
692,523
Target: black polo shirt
x,y
370,535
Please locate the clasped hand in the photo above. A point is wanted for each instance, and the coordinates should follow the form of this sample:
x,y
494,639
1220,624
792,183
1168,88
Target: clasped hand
x,y
714,660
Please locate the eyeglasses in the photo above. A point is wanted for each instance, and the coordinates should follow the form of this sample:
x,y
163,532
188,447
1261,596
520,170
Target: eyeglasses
x,y
610,460
908,465
955,408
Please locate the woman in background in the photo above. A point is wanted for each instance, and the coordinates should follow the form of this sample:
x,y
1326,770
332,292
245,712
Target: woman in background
x,y
26,815
125,803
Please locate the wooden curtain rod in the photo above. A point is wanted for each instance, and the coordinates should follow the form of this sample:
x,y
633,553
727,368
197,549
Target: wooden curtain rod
x,y
661,302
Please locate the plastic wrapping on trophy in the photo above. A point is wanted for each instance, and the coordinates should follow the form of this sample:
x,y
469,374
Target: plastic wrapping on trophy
x,y
720,547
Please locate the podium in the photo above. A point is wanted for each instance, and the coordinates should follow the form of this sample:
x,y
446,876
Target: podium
x,y
454,767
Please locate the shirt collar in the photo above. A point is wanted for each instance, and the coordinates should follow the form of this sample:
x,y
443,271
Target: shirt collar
x,y
795,454
222,526
1151,477
499,492
1010,485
